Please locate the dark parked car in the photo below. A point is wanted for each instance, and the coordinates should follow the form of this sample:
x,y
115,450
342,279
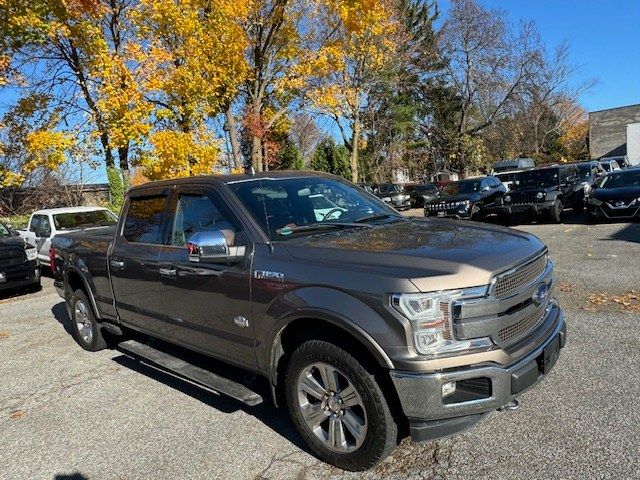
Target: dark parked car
x,y
547,190
394,195
367,326
471,199
421,192
18,261
616,196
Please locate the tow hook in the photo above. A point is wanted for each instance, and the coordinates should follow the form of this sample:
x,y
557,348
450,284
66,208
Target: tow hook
x,y
512,406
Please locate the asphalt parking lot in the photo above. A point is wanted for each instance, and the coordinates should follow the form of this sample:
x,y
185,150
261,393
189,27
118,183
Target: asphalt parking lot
x,y
70,414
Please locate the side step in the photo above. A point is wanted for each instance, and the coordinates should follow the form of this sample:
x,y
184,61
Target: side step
x,y
148,354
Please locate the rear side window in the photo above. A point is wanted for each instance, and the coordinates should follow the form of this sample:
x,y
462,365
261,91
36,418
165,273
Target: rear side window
x,y
143,223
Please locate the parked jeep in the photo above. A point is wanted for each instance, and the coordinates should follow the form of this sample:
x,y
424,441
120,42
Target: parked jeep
x,y
544,191
468,199
367,326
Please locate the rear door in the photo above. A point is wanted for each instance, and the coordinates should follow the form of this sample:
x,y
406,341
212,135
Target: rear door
x,y
133,262
207,305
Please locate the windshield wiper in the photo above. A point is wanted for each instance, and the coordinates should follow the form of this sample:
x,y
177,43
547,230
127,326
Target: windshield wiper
x,y
318,226
374,217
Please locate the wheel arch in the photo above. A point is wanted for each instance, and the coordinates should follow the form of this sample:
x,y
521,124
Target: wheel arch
x,y
74,280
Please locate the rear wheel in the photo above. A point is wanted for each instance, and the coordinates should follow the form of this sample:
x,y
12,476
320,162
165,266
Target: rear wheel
x,y
556,211
84,327
338,407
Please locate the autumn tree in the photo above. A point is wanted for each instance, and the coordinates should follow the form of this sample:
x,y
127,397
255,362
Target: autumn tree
x,y
352,48
488,65
73,51
190,56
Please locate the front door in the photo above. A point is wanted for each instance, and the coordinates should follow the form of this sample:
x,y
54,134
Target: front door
x,y
133,264
207,305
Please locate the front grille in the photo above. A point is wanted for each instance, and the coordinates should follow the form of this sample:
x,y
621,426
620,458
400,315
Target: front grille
x,y
511,282
12,257
520,198
516,331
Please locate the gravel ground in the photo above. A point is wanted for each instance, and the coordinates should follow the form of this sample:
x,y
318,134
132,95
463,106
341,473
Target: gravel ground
x,y
69,414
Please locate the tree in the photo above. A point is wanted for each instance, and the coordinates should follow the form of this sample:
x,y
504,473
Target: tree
x,y
190,63
353,46
73,51
331,158
487,65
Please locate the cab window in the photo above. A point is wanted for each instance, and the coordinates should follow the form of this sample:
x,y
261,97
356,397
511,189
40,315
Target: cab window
x,y
143,223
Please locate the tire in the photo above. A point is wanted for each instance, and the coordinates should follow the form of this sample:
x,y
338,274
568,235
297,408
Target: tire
x,y
84,327
476,213
309,370
556,211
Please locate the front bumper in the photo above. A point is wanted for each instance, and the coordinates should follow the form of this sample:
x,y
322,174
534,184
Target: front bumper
x,y
432,416
21,275
461,214
530,208
607,213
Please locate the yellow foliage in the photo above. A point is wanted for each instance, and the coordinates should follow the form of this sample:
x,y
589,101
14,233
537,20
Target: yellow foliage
x,y
191,54
179,154
47,149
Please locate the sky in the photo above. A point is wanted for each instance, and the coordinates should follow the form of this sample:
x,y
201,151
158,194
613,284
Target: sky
x,y
605,42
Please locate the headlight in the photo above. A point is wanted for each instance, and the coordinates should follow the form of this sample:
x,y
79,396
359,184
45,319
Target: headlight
x,y
463,204
540,195
32,254
507,198
406,197
386,199
595,201
431,322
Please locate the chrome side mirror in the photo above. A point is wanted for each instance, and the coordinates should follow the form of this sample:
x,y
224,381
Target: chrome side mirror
x,y
215,246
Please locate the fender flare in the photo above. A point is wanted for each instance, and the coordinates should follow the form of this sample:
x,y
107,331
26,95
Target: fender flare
x,y
87,288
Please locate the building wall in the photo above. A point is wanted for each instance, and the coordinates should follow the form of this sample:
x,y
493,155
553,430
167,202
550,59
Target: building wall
x,y
608,130
633,143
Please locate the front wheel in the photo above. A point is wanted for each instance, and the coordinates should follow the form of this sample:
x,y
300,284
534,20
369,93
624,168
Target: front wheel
x,y
556,211
338,407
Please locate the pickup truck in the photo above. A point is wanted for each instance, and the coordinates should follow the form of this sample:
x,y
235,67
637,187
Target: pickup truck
x,y
368,326
45,224
18,261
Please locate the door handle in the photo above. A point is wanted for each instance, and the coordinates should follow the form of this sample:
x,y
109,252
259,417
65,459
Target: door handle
x,y
116,263
167,272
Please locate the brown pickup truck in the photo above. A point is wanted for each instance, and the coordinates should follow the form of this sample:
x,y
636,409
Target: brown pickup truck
x,y
367,326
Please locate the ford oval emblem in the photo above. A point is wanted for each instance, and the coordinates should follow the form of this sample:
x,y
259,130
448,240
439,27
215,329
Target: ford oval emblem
x,y
540,294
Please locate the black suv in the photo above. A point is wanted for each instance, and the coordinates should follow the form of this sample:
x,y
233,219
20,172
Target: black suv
x,y
421,192
470,199
547,190
615,196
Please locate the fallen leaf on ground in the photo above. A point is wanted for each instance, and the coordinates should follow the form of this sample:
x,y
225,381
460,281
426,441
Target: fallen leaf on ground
x,y
4,335
18,414
566,287
629,301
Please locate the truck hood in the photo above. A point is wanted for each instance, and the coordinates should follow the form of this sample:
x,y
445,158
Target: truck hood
x,y
435,254
11,242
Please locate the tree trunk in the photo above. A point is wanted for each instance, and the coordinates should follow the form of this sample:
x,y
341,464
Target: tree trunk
x,y
108,156
230,126
123,158
256,153
355,140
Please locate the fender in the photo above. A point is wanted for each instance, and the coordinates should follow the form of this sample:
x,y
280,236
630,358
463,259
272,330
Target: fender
x,y
89,291
333,306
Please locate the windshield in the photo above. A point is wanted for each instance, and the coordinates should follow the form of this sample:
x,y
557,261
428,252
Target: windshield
x,y
305,201
538,178
629,178
4,231
584,170
94,218
465,186
389,188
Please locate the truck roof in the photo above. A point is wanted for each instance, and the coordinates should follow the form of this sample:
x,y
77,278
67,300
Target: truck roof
x,y
234,178
53,211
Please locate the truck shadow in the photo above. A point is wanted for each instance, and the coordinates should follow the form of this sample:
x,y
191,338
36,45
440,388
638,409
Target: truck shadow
x,y
266,412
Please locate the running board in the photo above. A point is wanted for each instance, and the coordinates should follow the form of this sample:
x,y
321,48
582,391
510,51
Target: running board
x,y
148,354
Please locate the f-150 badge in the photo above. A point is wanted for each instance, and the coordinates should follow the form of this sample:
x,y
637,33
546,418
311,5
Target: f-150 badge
x,y
268,275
